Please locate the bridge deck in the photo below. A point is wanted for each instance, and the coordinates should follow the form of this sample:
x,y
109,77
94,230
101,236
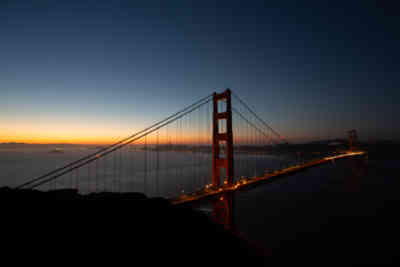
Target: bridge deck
x,y
246,183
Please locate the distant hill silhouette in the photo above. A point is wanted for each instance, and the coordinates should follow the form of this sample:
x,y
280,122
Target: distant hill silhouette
x,y
328,141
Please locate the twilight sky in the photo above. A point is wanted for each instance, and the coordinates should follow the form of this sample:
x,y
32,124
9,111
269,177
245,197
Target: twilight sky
x,y
91,71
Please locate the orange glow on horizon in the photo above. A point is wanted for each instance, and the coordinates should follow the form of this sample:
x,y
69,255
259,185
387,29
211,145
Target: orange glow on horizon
x,y
104,139
100,134
59,134
68,132
100,139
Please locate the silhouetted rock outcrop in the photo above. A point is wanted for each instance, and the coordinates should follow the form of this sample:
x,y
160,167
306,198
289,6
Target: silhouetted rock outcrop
x,y
139,231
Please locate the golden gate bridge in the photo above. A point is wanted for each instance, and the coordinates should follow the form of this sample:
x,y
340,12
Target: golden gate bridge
x,y
209,149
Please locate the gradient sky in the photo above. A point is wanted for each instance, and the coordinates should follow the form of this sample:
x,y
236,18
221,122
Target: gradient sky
x,y
84,71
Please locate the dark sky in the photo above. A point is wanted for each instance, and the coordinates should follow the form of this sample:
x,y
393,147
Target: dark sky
x,y
312,70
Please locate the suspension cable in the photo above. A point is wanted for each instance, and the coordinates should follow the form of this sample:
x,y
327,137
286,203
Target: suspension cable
x,y
250,123
260,119
88,160
95,154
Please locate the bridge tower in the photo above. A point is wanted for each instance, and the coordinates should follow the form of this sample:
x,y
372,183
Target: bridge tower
x,y
219,138
352,138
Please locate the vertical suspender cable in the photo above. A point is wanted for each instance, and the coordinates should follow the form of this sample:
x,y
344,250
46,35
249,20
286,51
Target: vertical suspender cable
x,y
145,165
157,166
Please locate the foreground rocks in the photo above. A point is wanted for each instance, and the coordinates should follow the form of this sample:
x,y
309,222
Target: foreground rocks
x,y
138,231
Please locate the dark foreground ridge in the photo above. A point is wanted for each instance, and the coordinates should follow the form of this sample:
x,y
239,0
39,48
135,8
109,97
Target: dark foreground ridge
x,y
138,231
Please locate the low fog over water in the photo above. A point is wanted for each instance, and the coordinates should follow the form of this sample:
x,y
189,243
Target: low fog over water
x,y
156,173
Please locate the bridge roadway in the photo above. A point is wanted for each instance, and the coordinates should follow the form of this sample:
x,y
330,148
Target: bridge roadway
x,y
249,182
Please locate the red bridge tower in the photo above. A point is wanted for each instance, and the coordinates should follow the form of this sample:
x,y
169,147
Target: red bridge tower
x,y
222,136
220,118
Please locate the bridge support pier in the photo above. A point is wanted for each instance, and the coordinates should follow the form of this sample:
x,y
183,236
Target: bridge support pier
x,y
219,138
223,210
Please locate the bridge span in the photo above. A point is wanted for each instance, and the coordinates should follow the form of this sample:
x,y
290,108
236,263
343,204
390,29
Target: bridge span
x,y
212,148
245,183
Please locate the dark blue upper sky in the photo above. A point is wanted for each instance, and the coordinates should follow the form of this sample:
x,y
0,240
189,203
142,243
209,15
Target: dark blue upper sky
x,y
313,70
